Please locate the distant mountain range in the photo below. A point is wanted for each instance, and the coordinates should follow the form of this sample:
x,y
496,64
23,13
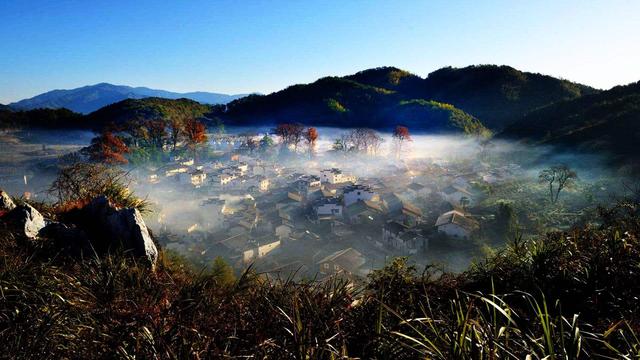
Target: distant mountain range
x,y
90,98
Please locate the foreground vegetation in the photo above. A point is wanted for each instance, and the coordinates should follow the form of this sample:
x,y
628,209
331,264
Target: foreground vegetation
x,y
564,295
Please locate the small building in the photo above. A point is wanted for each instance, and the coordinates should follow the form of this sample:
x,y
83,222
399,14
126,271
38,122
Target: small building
x,y
418,190
363,211
198,177
355,193
398,236
347,261
455,194
455,223
335,176
260,251
328,207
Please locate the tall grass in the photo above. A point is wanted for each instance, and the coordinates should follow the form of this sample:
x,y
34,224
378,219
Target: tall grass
x,y
571,295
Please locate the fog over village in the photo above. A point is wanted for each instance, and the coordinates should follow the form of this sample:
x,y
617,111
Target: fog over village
x,y
311,180
346,202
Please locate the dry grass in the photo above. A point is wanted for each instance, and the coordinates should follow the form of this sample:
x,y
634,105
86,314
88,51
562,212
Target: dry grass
x,y
567,295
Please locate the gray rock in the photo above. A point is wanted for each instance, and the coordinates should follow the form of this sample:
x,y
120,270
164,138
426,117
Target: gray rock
x,y
128,227
6,204
26,220
121,228
69,238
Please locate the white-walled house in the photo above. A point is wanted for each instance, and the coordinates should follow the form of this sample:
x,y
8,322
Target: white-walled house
x,y
453,194
328,207
454,223
335,176
398,236
355,193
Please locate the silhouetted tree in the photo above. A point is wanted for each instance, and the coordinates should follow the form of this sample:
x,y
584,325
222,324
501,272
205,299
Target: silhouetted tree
x,y
558,177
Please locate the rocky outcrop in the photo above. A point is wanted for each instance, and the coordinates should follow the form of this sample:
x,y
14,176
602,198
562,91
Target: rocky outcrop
x,y
6,204
26,221
97,229
119,228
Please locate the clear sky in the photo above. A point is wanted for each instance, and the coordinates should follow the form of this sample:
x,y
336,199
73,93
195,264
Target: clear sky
x,y
263,46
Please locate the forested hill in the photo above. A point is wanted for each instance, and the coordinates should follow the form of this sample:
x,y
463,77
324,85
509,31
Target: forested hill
x,y
606,122
496,95
343,102
140,111
126,113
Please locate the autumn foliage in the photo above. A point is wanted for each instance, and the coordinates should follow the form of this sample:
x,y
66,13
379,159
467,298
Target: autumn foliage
x,y
108,148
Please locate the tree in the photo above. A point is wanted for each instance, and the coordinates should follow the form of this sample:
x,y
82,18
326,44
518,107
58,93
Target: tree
x,y
364,140
558,177
311,137
266,143
289,134
400,135
176,127
108,148
222,272
80,182
195,133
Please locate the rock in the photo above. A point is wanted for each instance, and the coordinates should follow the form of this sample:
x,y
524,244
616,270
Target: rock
x,y
128,227
68,237
118,228
26,220
6,204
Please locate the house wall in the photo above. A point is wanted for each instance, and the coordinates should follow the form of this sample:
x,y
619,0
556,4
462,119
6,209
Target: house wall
x,y
453,230
329,209
353,196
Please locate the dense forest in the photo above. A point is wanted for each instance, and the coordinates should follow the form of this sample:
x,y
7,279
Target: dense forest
x,y
605,123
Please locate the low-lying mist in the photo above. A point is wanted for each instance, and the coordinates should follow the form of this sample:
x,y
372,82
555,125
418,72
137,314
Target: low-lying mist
x,y
498,171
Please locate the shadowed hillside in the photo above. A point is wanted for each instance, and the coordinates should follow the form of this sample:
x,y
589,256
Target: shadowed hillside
x,y
606,122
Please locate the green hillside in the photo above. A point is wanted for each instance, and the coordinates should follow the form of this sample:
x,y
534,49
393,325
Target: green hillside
x,y
608,122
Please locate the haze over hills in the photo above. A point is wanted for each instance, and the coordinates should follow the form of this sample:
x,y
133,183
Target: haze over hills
x,y
90,98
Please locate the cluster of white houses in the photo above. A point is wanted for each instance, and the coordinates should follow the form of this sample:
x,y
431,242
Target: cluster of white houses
x,y
254,209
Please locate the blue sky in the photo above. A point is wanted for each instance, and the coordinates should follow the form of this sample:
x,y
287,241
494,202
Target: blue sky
x,y
264,46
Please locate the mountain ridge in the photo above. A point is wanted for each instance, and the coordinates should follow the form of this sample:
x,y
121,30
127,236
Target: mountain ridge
x,y
89,98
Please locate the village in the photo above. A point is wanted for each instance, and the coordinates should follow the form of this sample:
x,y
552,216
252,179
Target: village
x,y
314,217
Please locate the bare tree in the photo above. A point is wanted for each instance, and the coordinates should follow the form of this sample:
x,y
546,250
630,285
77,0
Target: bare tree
x,y
558,177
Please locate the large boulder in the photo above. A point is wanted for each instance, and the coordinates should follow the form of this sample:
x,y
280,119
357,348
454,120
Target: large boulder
x,y
119,228
68,237
26,221
6,204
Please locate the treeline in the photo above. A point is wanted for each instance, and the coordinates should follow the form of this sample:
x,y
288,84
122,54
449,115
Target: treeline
x,y
41,118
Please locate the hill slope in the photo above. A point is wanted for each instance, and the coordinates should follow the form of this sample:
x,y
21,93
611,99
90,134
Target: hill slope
x,y
334,101
605,122
90,98
131,111
497,95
